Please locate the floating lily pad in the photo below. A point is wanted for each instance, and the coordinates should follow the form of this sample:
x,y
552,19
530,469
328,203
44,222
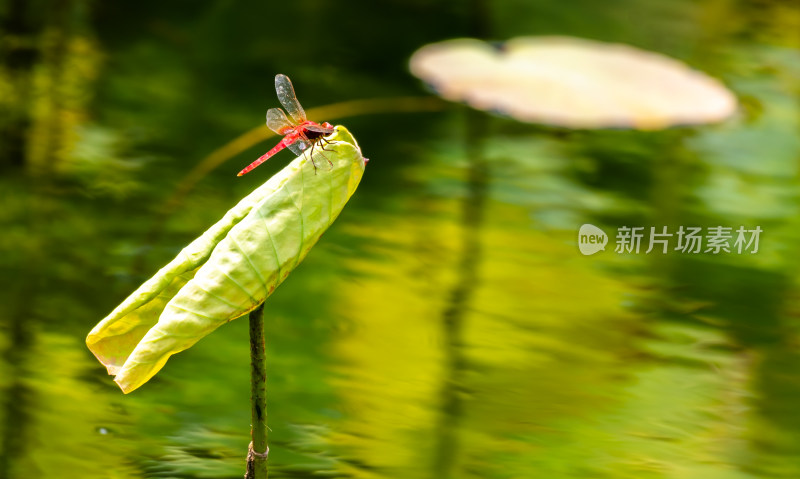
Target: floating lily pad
x,y
573,83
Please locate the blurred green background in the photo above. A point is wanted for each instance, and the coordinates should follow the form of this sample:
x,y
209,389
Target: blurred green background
x,y
446,326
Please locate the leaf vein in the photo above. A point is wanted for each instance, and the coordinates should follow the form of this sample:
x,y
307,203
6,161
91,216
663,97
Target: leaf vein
x,y
250,262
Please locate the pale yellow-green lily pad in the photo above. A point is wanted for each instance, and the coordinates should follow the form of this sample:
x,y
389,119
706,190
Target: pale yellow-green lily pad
x,y
572,82
230,269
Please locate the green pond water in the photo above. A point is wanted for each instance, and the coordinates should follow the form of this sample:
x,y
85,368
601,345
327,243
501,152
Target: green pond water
x,y
446,326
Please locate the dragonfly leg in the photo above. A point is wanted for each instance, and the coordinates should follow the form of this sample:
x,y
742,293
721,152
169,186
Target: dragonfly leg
x,y
330,163
323,139
320,151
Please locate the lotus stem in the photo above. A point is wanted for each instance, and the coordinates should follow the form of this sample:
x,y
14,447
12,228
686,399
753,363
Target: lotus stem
x,y
258,450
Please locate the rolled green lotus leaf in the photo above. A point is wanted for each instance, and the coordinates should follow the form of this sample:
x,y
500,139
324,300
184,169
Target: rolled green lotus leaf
x,y
230,269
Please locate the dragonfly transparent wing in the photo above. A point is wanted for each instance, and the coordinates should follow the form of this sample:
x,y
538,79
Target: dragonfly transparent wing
x,y
285,90
299,146
277,121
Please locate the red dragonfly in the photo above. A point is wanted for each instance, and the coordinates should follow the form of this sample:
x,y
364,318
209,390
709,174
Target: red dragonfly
x,y
299,134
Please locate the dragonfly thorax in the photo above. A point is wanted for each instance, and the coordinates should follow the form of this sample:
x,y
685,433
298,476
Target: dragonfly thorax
x,y
313,135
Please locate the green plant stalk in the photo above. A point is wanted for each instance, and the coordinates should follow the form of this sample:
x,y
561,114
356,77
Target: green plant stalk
x,y
258,451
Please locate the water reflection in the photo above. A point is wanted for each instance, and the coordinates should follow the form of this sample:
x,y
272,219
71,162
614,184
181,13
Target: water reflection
x,y
446,326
